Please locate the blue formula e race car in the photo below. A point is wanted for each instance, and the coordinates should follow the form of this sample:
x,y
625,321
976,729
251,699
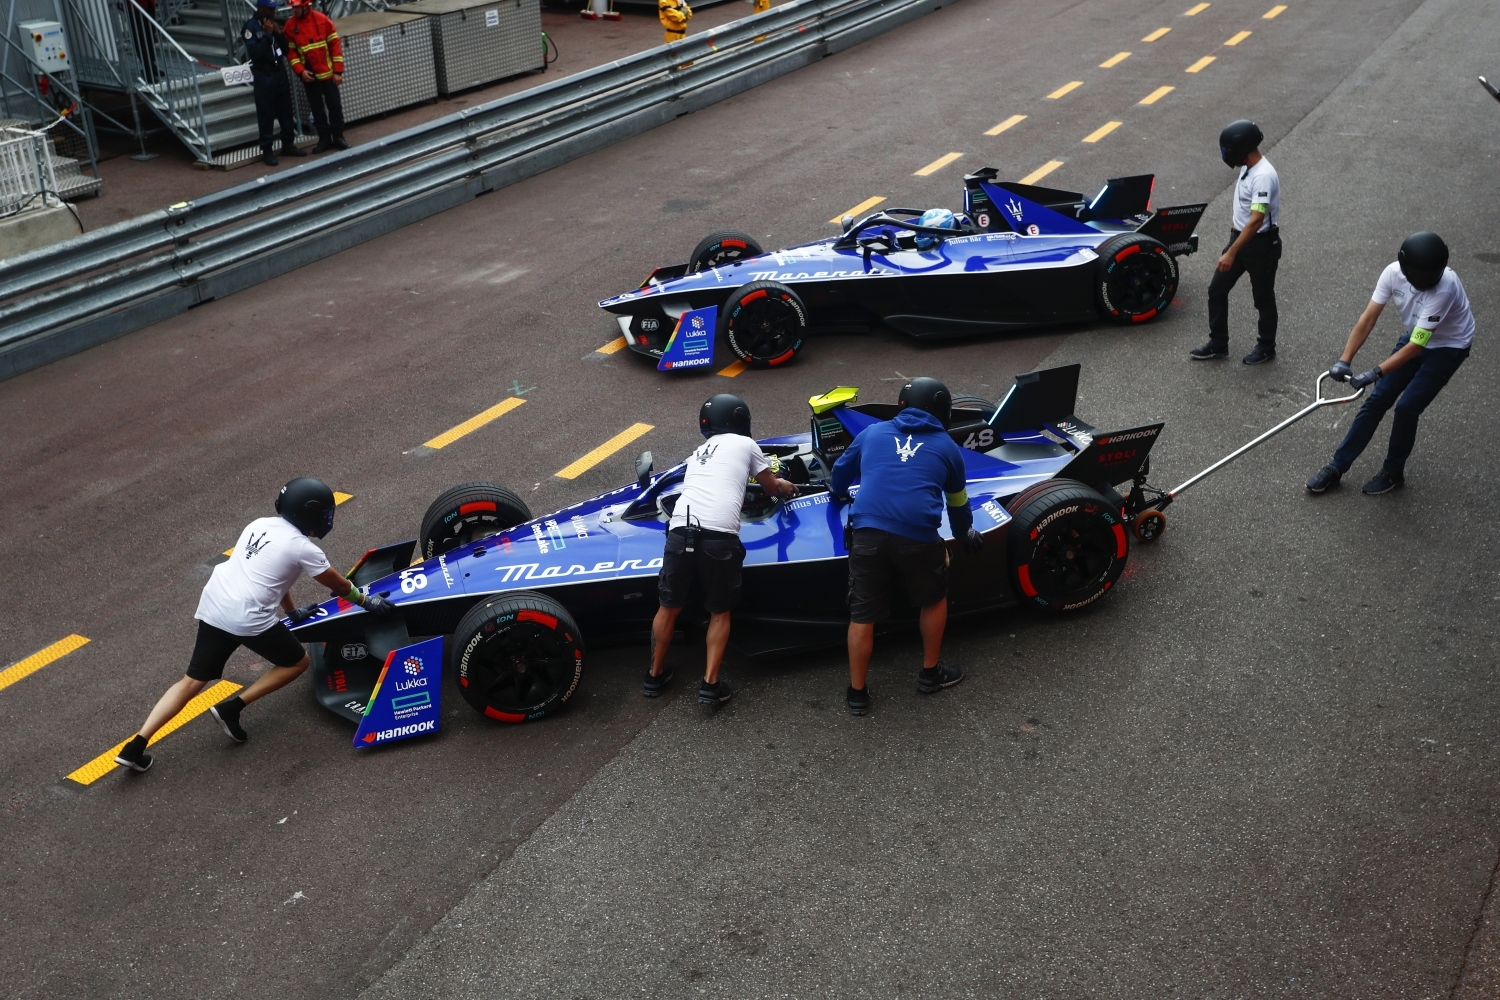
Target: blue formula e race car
x,y
1018,256
517,596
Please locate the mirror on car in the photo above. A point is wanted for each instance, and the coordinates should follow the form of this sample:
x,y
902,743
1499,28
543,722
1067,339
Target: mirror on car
x,y
643,469
847,222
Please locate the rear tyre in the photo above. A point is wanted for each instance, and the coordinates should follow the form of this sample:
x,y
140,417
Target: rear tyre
x,y
969,401
467,513
517,657
765,324
718,249
1067,545
1136,280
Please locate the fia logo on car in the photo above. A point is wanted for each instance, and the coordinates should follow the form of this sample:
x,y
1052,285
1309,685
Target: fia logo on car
x,y
650,325
906,451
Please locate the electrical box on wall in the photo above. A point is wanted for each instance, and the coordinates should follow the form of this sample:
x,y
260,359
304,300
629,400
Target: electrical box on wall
x,y
43,43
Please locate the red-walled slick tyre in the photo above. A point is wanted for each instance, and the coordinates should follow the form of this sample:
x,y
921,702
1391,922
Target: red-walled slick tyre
x,y
1068,545
467,513
765,324
718,249
516,657
1137,279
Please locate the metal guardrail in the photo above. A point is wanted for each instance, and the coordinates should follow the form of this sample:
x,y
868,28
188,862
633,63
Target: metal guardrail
x,y
62,299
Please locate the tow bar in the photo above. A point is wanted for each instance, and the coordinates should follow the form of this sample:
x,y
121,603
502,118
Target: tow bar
x,y
1150,522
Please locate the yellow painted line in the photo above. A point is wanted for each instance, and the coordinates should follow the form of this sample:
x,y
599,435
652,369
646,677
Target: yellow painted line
x,y
1012,120
1157,95
599,454
1102,131
732,370
1155,35
105,762
1064,90
1042,171
338,498
474,423
937,164
39,659
1268,15
1114,60
859,209
1239,37
612,346
1196,9
1195,67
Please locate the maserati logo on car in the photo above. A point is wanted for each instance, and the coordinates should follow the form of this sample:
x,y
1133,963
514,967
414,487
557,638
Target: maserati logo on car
x,y
1014,208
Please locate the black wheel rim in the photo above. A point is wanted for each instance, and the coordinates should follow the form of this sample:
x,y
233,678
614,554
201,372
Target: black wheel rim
x,y
721,255
520,668
766,329
463,532
1073,556
1139,282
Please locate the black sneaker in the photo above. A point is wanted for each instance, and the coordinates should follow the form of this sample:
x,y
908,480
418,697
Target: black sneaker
x,y
133,754
1382,482
716,693
269,159
228,714
657,683
1325,478
1260,355
859,700
1209,352
323,146
339,143
944,675
290,149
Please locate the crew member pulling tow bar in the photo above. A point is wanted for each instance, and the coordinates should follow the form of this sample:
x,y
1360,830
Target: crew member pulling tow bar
x,y
238,608
1439,329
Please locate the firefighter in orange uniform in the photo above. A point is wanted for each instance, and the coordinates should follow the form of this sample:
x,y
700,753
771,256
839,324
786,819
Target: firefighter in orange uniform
x,y
674,16
317,58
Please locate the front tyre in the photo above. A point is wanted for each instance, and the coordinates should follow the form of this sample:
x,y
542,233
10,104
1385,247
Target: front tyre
x,y
517,657
1067,545
765,324
466,513
1136,279
719,249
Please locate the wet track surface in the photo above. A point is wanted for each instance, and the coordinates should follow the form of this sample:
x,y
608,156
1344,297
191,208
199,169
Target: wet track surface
x,y
1264,767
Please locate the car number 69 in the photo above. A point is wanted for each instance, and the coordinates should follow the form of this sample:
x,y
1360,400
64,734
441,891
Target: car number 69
x,y
412,580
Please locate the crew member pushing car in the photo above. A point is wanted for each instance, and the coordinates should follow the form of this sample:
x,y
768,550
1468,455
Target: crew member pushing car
x,y
265,44
703,538
238,608
1438,331
1254,245
908,468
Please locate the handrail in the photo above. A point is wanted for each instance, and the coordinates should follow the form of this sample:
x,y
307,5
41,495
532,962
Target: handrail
x,y
162,32
63,298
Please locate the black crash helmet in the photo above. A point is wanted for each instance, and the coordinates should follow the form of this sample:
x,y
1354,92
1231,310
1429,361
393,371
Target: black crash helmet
x,y
1422,258
1238,140
928,394
308,504
724,414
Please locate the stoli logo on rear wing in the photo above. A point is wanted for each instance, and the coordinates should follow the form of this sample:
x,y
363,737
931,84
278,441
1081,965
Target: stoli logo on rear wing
x,y
1174,227
1114,457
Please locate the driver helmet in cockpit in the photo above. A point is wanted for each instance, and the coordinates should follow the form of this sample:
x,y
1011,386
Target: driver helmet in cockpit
x,y
934,218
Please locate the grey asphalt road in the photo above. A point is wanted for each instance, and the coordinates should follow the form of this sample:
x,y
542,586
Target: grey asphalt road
x,y
1264,767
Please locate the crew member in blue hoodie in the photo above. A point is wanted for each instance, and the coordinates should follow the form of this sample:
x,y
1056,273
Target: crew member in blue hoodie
x,y
908,468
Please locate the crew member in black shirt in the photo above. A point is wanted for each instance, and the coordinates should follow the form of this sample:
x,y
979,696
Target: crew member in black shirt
x,y
266,49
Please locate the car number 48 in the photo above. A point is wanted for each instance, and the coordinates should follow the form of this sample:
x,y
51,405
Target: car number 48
x,y
981,439
412,580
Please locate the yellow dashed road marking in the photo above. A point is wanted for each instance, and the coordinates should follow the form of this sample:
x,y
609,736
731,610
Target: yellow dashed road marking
x,y
1064,90
1239,37
1114,60
1157,95
1195,67
1196,9
1273,12
937,164
1102,131
1042,171
1012,120
612,346
733,370
859,209
105,762
1158,33
599,454
39,659
473,423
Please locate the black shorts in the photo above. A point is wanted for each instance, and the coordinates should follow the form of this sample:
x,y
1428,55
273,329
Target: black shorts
x,y
878,559
714,566
211,651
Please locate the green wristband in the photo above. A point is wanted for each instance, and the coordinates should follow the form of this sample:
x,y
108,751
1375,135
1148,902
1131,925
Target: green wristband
x,y
355,596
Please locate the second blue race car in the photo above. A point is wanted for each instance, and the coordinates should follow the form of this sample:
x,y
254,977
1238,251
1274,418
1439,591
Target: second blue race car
x,y
1017,256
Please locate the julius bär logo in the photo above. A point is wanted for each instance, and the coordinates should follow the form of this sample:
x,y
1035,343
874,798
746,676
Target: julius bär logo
x,y
413,666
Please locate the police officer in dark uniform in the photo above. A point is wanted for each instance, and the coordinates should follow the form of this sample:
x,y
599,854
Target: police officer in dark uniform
x,y
266,50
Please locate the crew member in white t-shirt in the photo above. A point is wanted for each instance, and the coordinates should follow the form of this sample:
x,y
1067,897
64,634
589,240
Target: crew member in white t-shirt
x,y
240,604
1254,245
1437,331
703,538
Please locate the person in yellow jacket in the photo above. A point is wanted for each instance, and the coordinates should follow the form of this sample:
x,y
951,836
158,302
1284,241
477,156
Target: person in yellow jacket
x,y
761,6
674,16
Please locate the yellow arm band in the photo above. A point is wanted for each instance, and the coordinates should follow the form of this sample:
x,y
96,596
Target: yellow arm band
x,y
1262,209
959,499
1420,337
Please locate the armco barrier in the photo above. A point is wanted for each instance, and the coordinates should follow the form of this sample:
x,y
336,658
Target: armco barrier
x,y
62,299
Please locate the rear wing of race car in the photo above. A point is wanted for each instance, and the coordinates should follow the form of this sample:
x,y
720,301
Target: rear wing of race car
x,y
1174,227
